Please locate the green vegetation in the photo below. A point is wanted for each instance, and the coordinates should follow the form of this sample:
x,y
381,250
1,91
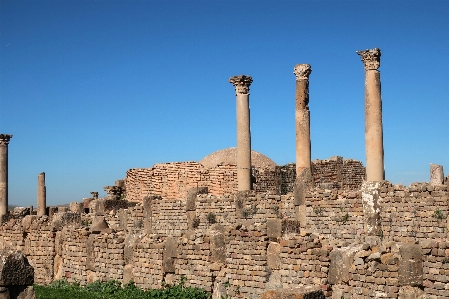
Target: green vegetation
x,y
438,214
211,218
114,290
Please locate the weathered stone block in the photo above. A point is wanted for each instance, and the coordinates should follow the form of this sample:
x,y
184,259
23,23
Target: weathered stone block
x,y
128,273
168,265
171,247
191,197
131,241
57,267
341,262
274,228
217,246
15,269
61,220
436,175
273,255
90,259
299,193
371,201
17,292
98,225
77,207
410,271
192,221
408,292
27,222
307,292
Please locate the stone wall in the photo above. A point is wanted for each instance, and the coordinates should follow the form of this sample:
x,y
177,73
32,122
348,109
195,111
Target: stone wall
x,y
241,245
173,180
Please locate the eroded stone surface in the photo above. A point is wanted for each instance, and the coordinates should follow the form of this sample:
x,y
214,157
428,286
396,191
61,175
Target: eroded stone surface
x,y
15,269
307,292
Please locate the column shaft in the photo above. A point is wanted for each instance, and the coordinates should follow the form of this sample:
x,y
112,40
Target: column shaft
x,y
4,141
241,84
303,147
41,195
373,116
302,115
243,142
373,127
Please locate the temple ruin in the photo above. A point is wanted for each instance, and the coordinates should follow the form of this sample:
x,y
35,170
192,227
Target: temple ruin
x,y
240,226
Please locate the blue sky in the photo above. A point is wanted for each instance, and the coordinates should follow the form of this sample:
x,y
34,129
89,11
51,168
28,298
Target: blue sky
x,y
90,89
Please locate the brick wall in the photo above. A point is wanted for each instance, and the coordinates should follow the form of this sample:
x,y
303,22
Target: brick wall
x,y
239,245
172,180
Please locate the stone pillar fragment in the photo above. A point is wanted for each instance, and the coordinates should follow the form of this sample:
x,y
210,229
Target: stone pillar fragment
x,y
241,84
4,141
371,208
41,195
436,175
373,116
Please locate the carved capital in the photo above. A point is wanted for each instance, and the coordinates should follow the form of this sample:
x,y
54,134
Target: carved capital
x,y
302,71
241,83
4,139
370,58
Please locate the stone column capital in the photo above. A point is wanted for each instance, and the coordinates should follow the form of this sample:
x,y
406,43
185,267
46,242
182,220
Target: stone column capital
x,y
241,83
302,71
4,139
370,58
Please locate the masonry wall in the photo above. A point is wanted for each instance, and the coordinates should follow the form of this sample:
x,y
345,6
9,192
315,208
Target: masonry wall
x,y
239,245
173,180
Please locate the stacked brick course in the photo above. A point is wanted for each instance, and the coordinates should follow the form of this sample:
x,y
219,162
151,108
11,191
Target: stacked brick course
x,y
172,180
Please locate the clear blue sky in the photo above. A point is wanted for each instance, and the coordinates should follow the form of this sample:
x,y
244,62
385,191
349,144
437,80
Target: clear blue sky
x,y
90,89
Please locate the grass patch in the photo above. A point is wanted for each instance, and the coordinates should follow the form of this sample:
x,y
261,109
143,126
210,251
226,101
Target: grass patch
x,y
114,290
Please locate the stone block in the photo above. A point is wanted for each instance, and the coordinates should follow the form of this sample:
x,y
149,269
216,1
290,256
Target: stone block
x,y
306,292
410,272
28,221
436,175
240,199
98,225
273,255
77,207
128,273
168,265
341,262
90,248
191,197
408,292
171,247
66,219
57,267
15,269
217,247
192,221
371,201
131,241
299,191
274,228
17,292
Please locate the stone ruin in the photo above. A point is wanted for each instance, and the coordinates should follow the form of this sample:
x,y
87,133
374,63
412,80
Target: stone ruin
x,y
241,228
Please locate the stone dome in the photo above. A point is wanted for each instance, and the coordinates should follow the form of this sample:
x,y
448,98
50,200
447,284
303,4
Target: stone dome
x,y
228,156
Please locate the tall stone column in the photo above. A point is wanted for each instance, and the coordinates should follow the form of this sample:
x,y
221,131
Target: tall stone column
x,y
241,84
4,141
373,116
303,147
41,195
302,114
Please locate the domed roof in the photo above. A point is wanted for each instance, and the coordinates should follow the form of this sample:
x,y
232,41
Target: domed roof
x,y
229,156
